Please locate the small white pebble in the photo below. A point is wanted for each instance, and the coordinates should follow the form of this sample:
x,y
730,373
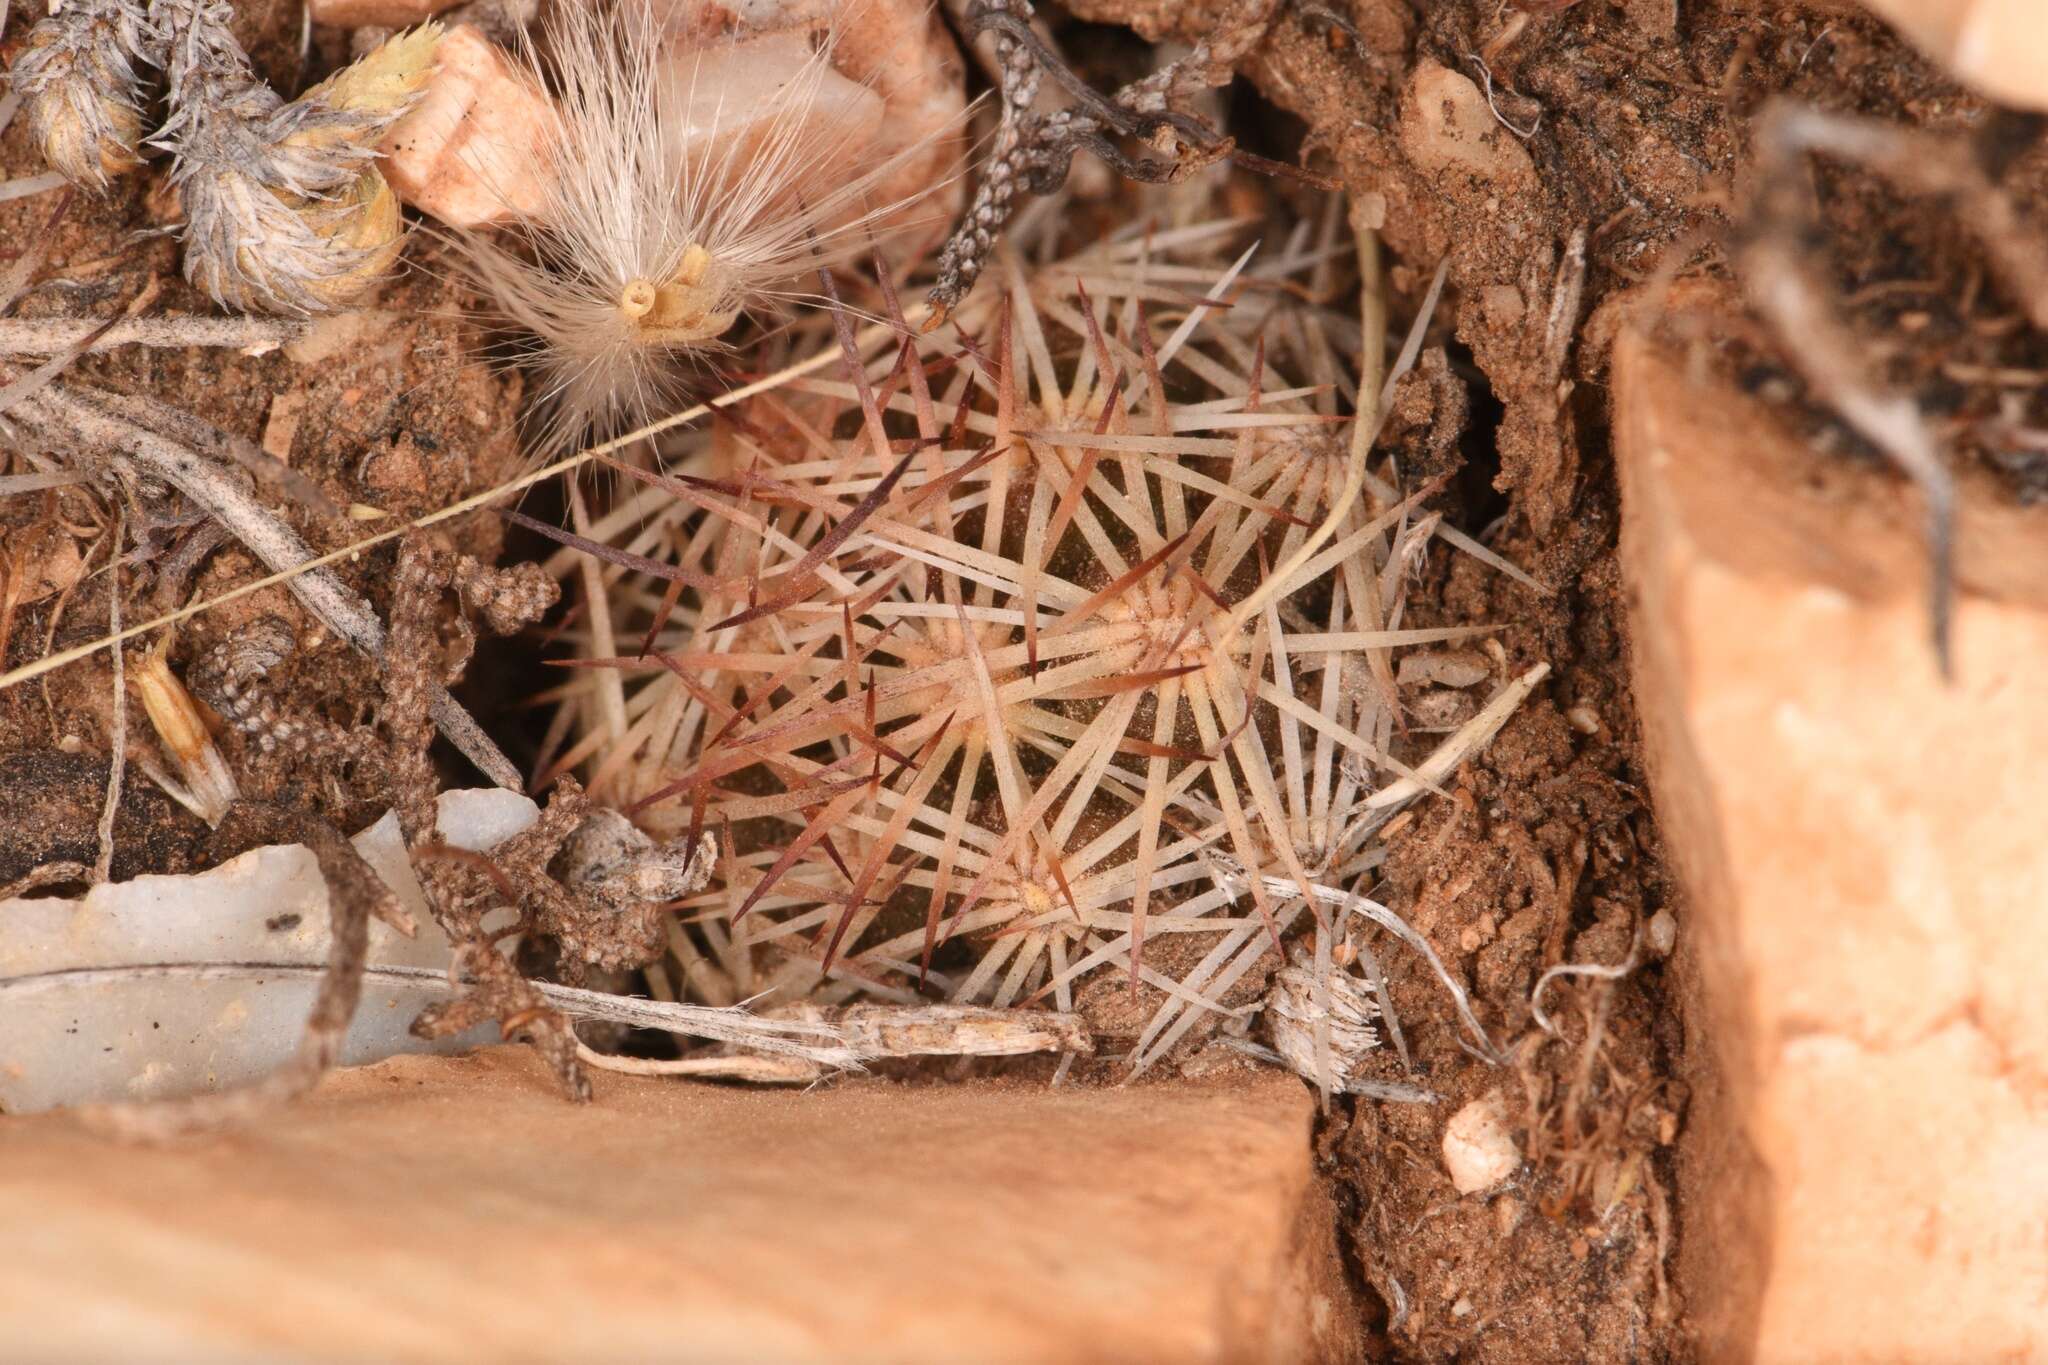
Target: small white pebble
x,y
1663,935
1462,1308
1479,1151
1583,719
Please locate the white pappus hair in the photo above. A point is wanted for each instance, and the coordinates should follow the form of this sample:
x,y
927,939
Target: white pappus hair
x,y
668,213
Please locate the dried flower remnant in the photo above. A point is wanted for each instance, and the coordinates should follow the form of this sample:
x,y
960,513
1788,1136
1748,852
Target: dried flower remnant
x,y
680,190
77,80
285,211
1296,1003
209,787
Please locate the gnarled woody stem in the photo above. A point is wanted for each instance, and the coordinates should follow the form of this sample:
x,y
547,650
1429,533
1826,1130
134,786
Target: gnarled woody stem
x,y
270,540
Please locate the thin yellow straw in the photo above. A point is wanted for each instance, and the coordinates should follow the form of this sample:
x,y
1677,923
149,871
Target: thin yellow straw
x,y
524,481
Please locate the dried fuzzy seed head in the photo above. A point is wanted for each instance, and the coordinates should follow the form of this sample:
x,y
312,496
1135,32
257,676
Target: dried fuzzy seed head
x,y
1342,1004
285,210
77,78
680,191
384,83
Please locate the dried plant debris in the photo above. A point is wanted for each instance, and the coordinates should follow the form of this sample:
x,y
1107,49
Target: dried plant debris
x,y
77,80
284,208
120,439
864,1034
582,879
222,963
624,873
206,786
285,211
991,705
1343,1007
1033,150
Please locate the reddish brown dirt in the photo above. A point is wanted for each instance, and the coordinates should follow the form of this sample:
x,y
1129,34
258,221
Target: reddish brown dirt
x,y
1548,852
1642,114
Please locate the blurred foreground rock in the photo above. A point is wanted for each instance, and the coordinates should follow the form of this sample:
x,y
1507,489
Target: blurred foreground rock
x,y
1997,47
1866,946
458,1209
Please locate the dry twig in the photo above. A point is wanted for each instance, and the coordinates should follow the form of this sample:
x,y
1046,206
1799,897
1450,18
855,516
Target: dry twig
x,y
1033,150
1776,261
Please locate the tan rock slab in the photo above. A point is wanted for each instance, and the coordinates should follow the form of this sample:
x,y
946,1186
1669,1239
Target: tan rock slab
x,y
1867,867
1998,47
458,1209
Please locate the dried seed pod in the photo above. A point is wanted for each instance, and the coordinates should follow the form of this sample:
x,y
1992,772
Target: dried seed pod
x,y
77,78
285,209
175,717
